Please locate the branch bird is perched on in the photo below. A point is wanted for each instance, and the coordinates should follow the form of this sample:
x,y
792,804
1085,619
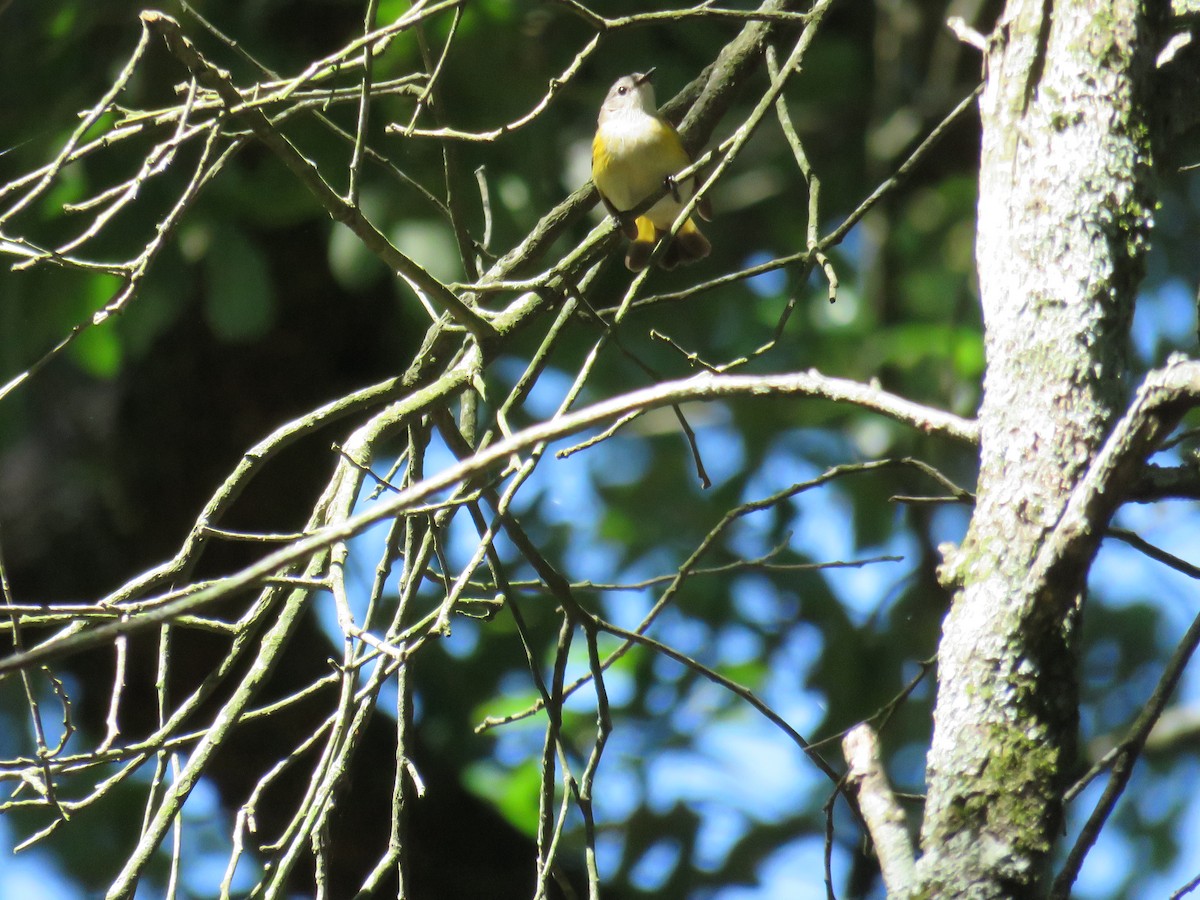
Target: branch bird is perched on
x,y
635,153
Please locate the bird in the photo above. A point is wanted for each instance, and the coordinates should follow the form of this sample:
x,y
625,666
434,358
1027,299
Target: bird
x,y
635,153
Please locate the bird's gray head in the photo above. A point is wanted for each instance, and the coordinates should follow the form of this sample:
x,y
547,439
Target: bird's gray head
x,y
630,93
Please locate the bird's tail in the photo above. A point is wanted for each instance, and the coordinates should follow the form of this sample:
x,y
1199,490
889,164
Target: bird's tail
x,y
688,246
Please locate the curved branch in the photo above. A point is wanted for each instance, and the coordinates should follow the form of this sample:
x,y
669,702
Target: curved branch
x,y
1163,398
703,387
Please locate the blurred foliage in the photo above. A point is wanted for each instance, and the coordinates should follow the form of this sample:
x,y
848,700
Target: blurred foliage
x,y
261,308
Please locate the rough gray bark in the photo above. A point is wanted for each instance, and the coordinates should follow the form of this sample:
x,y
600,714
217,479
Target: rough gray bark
x,y
1064,212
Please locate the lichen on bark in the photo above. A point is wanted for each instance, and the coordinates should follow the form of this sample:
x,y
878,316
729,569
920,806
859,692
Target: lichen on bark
x,y
1064,215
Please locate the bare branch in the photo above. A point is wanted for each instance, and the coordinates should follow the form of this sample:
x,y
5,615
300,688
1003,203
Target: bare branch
x,y
336,205
885,819
1156,553
1165,483
700,387
1165,395
1123,758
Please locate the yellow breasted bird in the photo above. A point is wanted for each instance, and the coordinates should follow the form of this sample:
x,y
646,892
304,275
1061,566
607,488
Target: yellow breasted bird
x,y
634,154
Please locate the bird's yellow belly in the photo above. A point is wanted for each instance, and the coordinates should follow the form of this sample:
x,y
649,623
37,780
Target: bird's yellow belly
x,y
629,166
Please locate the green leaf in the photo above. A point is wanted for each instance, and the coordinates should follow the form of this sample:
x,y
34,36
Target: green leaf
x,y
431,245
514,792
98,349
157,305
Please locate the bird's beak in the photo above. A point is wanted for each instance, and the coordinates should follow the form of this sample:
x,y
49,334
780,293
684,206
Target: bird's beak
x,y
645,76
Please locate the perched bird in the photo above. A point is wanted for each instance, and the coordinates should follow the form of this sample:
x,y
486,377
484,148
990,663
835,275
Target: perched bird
x,y
634,154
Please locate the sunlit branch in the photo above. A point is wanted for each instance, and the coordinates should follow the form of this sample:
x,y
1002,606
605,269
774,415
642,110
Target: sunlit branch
x,y
555,87
700,11
885,819
839,233
701,387
1165,395
311,178
688,568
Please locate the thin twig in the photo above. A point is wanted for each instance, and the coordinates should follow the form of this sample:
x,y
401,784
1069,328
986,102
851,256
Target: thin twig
x,y
1125,756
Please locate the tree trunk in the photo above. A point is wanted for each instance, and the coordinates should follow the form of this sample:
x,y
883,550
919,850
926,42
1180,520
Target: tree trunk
x,y
1064,212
